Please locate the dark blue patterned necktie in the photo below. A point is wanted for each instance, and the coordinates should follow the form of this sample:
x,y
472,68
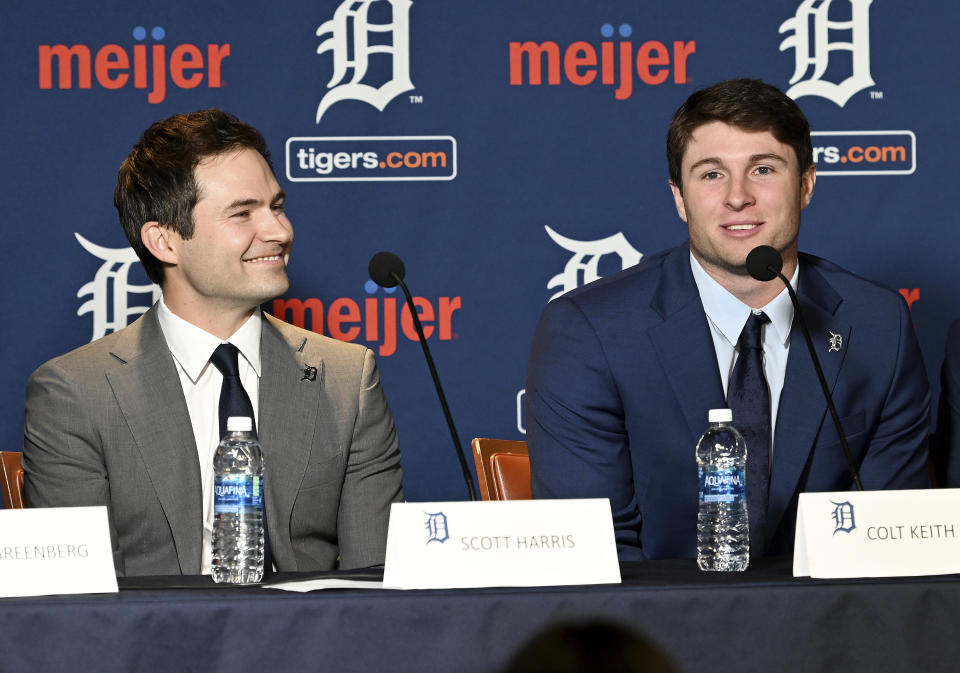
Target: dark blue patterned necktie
x,y
748,396
234,401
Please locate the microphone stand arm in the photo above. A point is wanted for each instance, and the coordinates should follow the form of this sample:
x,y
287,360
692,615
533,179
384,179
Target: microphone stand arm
x,y
436,382
823,380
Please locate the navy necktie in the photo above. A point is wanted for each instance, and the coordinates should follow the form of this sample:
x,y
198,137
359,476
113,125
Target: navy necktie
x,y
234,401
748,396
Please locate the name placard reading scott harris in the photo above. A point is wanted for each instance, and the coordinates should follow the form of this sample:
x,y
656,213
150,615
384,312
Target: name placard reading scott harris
x,y
513,543
878,534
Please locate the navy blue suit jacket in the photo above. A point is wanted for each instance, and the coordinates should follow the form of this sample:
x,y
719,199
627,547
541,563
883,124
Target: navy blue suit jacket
x,y
623,371
948,417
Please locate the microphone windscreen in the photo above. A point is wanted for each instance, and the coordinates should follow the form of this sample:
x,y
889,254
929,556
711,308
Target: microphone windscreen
x,y
386,269
760,258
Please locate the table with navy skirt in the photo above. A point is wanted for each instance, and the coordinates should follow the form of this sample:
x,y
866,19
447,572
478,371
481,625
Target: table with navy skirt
x,y
762,619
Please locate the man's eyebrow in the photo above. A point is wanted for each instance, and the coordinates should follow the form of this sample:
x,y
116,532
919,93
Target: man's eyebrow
x,y
709,161
767,156
242,203
246,203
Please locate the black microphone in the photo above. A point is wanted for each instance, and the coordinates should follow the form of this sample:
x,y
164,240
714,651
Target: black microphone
x,y
764,263
387,270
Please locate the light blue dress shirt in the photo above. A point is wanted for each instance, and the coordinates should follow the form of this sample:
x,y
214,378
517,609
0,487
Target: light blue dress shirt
x,y
727,316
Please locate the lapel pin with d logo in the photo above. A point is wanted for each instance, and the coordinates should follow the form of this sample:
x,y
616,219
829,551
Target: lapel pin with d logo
x,y
309,374
836,342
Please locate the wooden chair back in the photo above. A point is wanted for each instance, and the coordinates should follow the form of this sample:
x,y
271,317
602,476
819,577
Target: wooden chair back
x,y
11,479
503,469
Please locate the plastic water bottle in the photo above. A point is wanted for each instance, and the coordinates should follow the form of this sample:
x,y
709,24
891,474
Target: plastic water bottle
x,y
723,532
238,505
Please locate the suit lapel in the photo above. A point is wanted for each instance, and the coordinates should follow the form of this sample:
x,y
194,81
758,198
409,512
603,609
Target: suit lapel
x,y
683,342
148,391
290,386
803,409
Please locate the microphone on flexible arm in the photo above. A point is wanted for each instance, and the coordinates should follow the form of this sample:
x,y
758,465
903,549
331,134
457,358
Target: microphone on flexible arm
x,y
387,270
764,263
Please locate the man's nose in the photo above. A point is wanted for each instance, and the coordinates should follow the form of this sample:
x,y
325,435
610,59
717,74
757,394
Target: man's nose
x,y
739,194
276,227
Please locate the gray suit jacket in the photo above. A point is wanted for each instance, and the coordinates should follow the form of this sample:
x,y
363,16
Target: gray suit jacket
x,y
107,424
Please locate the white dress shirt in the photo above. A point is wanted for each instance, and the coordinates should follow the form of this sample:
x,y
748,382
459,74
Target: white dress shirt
x,y
191,348
727,317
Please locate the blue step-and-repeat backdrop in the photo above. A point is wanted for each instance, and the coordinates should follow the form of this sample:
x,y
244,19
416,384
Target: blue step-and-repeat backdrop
x,y
507,150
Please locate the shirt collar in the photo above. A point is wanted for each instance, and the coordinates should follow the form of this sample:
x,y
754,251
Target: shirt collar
x,y
192,346
729,314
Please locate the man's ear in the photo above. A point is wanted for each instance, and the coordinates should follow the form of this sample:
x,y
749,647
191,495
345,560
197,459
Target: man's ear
x,y
678,201
807,182
160,241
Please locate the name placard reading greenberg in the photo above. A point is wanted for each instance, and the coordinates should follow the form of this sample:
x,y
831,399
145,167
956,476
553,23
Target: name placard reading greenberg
x,y
878,534
513,543
58,550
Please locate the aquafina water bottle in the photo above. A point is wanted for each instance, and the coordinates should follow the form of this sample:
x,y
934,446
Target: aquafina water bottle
x,y
238,505
723,532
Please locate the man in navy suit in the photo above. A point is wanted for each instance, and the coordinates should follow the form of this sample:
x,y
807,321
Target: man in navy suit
x,y
623,371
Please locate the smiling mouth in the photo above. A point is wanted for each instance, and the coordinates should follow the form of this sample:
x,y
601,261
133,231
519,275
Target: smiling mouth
x,y
741,227
268,258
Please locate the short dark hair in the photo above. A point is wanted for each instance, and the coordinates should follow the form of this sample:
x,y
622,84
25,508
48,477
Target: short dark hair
x,y
156,181
749,104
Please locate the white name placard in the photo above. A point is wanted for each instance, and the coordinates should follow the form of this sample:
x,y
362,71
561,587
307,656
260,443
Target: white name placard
x,y
58,550
878,533
512,543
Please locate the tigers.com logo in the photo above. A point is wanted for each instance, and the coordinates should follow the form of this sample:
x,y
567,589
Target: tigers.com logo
x,y
864,152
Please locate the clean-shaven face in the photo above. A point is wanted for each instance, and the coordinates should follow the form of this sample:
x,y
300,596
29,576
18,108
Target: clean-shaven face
x,y
237,257
741,189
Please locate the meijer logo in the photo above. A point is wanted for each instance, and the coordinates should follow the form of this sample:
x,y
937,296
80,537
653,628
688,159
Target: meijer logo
x,y
653,62
374,319
115,66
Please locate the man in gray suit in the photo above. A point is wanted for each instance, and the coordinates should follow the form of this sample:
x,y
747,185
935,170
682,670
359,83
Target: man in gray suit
x,y
130,421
